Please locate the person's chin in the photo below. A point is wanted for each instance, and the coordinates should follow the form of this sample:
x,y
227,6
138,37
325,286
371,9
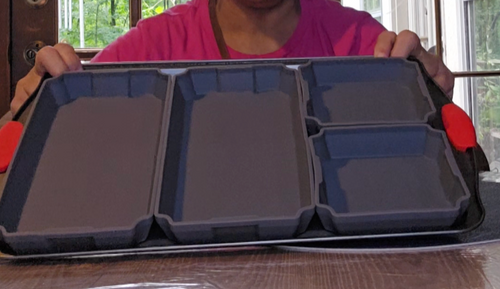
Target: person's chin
x,y
261,4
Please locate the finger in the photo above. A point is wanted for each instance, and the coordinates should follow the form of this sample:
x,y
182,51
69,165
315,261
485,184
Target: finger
x,y
49,60
68,55
384,45
24,89
408,44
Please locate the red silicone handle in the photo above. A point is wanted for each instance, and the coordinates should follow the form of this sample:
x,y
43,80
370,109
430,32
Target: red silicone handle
x,y
9,138
459,127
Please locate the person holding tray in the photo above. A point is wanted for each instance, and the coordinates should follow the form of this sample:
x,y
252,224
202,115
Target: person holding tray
x,y
245,29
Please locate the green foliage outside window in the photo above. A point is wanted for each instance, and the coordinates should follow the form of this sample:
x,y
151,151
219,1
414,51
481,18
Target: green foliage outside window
x,y
106,20
487,14
155,7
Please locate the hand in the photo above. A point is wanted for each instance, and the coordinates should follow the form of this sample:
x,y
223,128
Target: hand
x,y
407,43
53,60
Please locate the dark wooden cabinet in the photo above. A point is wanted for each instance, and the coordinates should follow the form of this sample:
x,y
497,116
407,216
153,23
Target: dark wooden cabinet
x,y
5,85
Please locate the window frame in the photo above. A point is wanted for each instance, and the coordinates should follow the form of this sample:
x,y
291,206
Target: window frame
x,y
135,14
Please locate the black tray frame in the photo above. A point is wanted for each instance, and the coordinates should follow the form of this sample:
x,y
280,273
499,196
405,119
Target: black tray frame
x,y
470,163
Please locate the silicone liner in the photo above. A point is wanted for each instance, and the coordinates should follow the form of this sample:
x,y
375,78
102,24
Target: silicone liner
x,y
237,164
387,178
365,91
83,177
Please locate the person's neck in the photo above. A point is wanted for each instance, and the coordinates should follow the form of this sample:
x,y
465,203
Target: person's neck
x,y
257,30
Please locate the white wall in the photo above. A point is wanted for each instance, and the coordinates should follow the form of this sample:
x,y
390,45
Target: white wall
x,y
398,15
356,4
387,14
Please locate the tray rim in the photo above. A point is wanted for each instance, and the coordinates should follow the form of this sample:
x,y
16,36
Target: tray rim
x,y
179,248
290,62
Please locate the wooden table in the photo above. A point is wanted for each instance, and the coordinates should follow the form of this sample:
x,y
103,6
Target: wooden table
x,y
473,267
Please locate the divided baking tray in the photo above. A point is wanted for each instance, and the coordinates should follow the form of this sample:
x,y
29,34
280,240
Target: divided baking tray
x,y
232,153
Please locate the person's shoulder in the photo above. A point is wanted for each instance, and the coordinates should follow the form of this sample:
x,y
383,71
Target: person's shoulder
x,y
151,39
332,11
350,32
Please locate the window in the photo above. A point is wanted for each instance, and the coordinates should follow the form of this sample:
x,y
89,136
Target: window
x,y
399,15
481,57
469,32
94,23
484,32
89,25
487,95
373,7
155,7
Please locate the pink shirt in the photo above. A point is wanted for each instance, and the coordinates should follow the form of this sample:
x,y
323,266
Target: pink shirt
x,y
184,32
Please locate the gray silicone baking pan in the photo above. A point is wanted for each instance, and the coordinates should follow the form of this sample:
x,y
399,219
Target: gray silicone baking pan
x,y
129,161
83,176
237,162
365,91
386,178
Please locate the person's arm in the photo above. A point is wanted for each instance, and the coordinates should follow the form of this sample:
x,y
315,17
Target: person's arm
x,y
136,45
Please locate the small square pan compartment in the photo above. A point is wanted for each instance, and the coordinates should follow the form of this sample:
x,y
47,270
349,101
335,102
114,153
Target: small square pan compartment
x,y
237,163
386,179
365,91
83,175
